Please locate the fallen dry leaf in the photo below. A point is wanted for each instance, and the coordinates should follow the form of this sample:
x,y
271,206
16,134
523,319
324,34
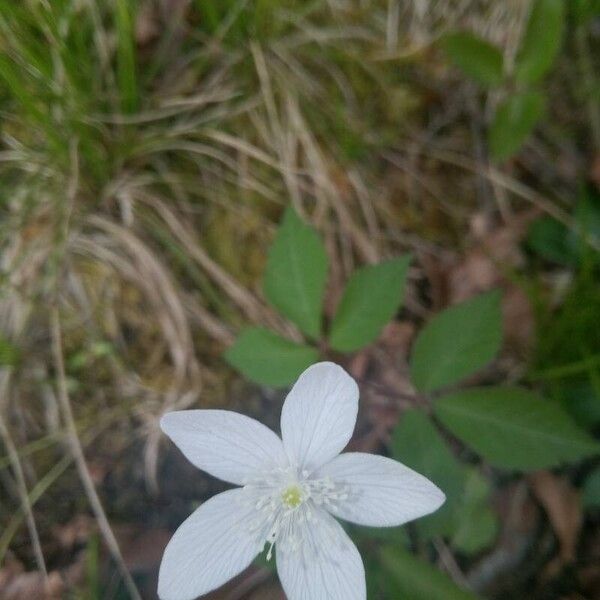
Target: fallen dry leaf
x,y
74,532
142,548
562,505
492,250
271,591
29,585
518,320
358,365
476,273
396,339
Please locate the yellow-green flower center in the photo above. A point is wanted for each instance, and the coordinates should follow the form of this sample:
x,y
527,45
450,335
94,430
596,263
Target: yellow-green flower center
x,y
292,496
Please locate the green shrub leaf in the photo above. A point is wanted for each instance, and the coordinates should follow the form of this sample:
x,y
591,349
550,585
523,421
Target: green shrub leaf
x,y
268,359
371,298
578,397
414,579
296,274
417,443
457,342
515,119
551,240
465,517
476,524
514,428
477,58
542,40
590,497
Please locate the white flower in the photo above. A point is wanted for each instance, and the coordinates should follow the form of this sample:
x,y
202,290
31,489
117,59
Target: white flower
x,y
291,488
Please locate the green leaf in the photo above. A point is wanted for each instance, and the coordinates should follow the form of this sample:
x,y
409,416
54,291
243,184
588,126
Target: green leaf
x,y
585,10
555,242
371,298
515,119
542,40
477,58
296,274
476,524
390,535
587,215
411,578
550,239
457,342
417,443
580,399
10,355
590,497
514,428
465,517
263,562
477,530
268,359
126,60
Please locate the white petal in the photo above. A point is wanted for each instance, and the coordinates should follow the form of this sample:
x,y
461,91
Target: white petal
x,y
319,415
381,492
225,444
210,547
327,565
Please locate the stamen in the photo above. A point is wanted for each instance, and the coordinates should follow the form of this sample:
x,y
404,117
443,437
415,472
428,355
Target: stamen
x,y
285,500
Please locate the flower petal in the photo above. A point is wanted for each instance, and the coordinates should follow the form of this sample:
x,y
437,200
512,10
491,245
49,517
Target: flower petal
x,y
319,415
225,444
211,546
326,565
381,492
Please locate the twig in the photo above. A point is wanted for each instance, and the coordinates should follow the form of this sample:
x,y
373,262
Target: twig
x,y
79,457
450,563
63,395
22,489
517,188
38,490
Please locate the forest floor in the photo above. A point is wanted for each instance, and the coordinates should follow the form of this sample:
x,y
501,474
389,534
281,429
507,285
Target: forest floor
x,y
146,157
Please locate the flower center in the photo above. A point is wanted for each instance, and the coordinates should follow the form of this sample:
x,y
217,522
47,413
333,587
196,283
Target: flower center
x,y
285,501
292,496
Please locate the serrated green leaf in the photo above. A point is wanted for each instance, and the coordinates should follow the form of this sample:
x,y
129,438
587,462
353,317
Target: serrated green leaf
x,y
514,428
542,40
476,524
476,57
414,579
268,359
590,497
457,342
417,443
372,297
296,274
515,119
